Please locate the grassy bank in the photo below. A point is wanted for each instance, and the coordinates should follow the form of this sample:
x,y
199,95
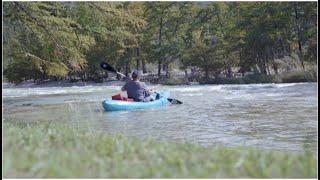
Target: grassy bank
x,y
299,76
291,77
60,151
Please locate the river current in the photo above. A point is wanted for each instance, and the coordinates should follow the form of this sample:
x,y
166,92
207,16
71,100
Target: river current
x,y
267,116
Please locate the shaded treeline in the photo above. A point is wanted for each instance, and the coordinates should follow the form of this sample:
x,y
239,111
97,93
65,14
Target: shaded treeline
x,y
68,40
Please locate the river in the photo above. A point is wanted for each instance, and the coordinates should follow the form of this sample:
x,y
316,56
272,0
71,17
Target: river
x,y
267,116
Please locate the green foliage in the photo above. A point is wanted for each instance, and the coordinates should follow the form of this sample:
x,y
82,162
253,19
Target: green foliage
x,y
31,67
20,71
248,79
60,151
174,81
46,38
204,57
70,39
299,76
260,78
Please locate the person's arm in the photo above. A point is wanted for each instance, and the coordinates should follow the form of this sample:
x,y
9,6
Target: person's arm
x,y
147,91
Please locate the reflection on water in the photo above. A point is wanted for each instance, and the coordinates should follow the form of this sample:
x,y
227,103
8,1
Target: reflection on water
x,y
276,116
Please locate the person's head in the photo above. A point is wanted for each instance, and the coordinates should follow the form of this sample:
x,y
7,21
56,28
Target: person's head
x,y
135,75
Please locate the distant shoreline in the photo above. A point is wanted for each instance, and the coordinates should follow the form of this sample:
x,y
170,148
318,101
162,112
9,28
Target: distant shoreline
x,y
66,83
294,77
63,83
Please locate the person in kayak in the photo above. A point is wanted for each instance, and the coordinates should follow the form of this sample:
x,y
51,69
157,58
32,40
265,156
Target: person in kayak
x,y
136,89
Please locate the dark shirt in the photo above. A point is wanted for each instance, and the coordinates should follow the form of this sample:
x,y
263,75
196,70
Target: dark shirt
x,y
136,90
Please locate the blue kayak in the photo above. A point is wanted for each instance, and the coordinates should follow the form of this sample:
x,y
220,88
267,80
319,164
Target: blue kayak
x,y
118,105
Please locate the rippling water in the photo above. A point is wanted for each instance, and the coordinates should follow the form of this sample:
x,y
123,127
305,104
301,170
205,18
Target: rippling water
x,y
269,116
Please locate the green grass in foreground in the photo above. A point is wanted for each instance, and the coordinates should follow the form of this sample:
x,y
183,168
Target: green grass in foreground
x,y
60,151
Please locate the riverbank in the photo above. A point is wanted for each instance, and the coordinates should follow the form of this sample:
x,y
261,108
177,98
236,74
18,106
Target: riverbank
x,y
288,77
293,77
59,151
64,83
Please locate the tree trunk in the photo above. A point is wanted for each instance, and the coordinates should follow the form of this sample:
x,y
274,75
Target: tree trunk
x,y
43,76
264,66
144,69
229,72
240,58
268,70
126,69
118,76
298,34
159,68
138,64
275,67
160,40
186,73
127,62
164,66
138,59
206,69
266,62
261,66
167,70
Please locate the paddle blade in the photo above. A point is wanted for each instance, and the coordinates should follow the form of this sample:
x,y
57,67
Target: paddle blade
x,y
107,67
174,101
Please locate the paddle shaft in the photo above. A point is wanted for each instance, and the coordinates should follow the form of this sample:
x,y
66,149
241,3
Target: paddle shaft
x,y
121,74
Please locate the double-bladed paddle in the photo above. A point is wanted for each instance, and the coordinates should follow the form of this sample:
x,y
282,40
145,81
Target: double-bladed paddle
x,y
108,67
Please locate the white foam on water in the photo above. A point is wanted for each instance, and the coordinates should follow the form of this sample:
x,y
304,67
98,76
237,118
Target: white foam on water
x,y
190,90
286,85
24,92
272,94
193,94
204,88
187,89
240,96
